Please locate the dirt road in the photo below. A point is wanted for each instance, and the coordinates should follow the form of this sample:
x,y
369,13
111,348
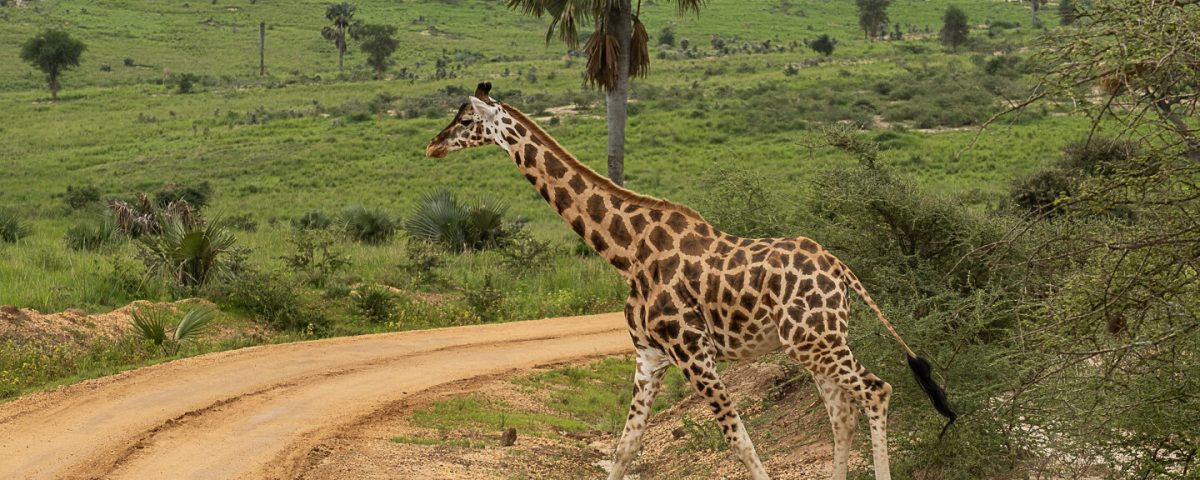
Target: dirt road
x,y
255,412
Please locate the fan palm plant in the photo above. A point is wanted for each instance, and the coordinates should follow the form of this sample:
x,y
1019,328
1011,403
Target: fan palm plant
x,y
442,219
616,50
189,255
152,324
341,17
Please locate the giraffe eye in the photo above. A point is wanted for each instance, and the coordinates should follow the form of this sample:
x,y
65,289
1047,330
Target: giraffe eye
x,y
466,122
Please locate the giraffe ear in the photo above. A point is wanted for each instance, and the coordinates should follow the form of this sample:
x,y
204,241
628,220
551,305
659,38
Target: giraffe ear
x,y
482,107
483,91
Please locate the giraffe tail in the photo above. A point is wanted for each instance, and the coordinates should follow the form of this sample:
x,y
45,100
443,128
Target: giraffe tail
x,y
921,367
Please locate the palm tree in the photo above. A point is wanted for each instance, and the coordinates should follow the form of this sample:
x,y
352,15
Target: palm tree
x,y
616,51
342,17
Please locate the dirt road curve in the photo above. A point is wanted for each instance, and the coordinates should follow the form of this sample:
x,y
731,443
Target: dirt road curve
x,y
254,413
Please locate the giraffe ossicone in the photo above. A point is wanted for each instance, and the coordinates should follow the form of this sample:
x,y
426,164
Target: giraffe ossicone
x,y
698,295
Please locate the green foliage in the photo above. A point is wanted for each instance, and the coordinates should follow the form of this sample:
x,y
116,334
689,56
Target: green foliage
x,y
197,195
91,235
525,254
341,18
53,52
823,45
316,256
873,17
370,226
1039,192
666,36
12,227
1066,12
315,220
422,260
955,27
378,42
374,302
188,255
744,202
458,226
274,299
83,196
703,435
485,301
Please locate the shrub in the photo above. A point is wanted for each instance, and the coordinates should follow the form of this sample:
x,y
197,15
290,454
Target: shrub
x,y
373,226
12,228
91,235
485,301
314,220
185,82
823,45
422,261
441,219
374,302
743,202
197,196
275,300
315,257
524,254
129,62
1037,193
81,197
243,222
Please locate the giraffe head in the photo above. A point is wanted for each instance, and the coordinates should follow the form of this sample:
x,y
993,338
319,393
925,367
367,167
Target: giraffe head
x,y
475,125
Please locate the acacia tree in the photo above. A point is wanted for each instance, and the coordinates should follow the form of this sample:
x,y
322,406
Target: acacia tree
x,y
341,16
53,52
955,28
872,17
823,45
616,51
378,42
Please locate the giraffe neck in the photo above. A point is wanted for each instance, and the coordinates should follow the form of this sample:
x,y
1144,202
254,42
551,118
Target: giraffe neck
x,y
594,206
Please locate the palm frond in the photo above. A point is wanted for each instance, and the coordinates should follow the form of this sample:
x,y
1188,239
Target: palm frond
x,y
150,324
639,54
194,321
601,49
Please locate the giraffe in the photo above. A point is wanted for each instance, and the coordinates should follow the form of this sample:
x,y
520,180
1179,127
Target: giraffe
x,y
698,295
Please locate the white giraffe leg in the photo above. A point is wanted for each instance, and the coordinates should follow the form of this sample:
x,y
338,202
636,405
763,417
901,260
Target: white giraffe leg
x,y
651,365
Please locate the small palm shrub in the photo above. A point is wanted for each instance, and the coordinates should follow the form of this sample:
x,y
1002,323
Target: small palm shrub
x,y
91,235
372,226
153,324
12,228
189,255
374,302
442,219
143,217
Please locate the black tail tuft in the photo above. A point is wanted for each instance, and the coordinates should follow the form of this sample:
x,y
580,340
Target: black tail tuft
x,y
924,374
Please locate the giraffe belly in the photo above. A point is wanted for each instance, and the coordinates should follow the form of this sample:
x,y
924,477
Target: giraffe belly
x,y
752,339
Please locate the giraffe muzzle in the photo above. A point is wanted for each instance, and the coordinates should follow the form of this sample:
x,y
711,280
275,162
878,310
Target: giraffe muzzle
x,y
435,151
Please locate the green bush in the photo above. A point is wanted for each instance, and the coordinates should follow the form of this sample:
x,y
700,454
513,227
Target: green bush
x,y
372,226
485,301
524,254
374,302
153,324
275,300
458,226
744,202
82,196
315,256
12,228
91,235
314,220
422,261
243,222
197,196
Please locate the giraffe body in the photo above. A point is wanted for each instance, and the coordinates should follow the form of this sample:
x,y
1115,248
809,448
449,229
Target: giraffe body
x,y
697,295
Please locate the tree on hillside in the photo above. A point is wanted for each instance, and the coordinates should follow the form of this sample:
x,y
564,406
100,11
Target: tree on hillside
x,y
666,36
616,50
53,52
378,42
955,28
1034,6
872,17
341,16
823,45
1066,12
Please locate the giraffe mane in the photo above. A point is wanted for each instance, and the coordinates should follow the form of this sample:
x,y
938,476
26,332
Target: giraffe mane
x,y
618,191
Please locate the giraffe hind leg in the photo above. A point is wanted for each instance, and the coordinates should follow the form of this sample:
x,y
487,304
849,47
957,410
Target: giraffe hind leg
x,y
843,417
700,370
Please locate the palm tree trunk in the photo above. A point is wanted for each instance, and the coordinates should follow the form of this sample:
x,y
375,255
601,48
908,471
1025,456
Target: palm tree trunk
x,y
54,88
620,25
341,44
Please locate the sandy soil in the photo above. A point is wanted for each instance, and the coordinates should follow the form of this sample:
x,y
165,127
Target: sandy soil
x,y
267,412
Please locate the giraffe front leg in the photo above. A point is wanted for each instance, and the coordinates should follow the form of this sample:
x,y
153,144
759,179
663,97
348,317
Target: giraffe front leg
x,y
651,365
693,355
